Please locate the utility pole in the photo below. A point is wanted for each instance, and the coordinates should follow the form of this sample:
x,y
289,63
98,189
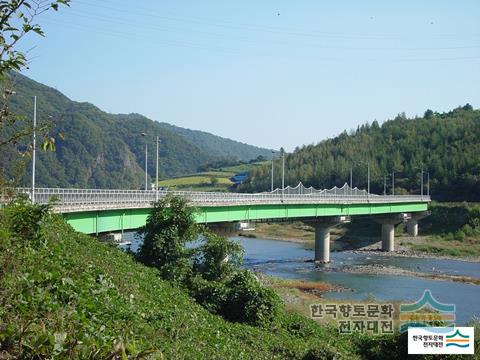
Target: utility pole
x,y
283,173
271,187
156,175
428,183
385,185
34,146
421,183
351,181
368,177
146,169
393,182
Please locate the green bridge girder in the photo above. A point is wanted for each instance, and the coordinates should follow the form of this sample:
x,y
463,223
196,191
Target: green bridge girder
x,y
94,222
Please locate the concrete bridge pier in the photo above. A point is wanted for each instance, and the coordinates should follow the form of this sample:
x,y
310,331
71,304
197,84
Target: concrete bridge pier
x,y
388,237
388,229
322,236
412,224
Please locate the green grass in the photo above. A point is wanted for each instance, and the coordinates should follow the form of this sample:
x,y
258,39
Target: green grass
x,y
194,180
70,296
199,182
76,297
202,181
440,246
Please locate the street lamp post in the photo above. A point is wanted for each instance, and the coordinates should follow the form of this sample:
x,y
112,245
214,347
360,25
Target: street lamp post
x,y
351,181
428,183
34,146
368,175
146,168
271,187
156,174
283,173
368,178
421,183
393,182
146,162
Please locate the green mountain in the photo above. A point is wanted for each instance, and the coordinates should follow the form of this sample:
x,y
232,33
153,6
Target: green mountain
x,y
446,145
102,150
211,143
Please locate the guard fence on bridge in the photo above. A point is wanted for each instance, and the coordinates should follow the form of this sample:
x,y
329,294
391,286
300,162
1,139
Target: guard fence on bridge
x,y
75,200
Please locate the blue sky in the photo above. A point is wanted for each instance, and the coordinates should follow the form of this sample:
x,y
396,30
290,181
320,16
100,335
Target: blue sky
x,y
269,73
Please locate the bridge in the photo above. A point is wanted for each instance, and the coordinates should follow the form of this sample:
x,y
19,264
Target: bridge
x,y
94,211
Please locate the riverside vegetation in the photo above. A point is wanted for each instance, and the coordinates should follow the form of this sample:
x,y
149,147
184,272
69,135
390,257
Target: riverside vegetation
x,y
66,295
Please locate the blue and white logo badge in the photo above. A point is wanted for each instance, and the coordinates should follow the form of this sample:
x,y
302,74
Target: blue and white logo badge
x,y
441,340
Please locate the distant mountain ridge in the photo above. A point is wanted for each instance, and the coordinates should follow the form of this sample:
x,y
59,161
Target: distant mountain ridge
x,y
103,150
445,145
210,143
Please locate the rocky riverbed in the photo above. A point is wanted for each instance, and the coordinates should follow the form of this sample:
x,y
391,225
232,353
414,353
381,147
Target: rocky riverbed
x,y
380,269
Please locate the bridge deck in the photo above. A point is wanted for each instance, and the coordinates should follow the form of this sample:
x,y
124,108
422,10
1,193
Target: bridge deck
x,y
81,200
96,211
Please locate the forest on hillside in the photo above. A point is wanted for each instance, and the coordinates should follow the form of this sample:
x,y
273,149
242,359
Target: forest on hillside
x,y
102,150
445,145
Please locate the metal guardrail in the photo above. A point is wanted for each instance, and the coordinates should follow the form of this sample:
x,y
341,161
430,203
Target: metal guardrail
x,y
76,200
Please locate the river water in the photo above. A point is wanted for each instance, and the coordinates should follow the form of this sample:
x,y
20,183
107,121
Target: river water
x,y
288,260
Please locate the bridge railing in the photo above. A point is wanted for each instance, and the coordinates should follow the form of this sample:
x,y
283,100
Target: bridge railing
x,y
71,200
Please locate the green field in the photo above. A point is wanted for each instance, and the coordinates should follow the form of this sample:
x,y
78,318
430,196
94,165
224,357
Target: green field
x,y
204,181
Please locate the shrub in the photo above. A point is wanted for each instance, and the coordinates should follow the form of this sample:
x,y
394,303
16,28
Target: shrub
x,y
468,230
25,219
459,235
169,227
324,353
218,257
212,295
248,301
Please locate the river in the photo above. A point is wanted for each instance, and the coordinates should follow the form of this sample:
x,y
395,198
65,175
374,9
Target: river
x,y
289,260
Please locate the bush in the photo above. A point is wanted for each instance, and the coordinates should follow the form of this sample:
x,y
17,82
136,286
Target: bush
x,y
324,353
248,301
459,235
218,257
169,227
468,230
24,219
212,295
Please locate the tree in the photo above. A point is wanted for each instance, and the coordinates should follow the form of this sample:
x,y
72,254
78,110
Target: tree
x,y
170,226
219,257
428,114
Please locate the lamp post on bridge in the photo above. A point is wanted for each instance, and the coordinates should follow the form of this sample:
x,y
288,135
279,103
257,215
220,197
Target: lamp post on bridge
x,y
156,168
422,172
156,172
34,146
283,173
351,181
428,183
368,175
146,163
273,152
393,182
